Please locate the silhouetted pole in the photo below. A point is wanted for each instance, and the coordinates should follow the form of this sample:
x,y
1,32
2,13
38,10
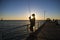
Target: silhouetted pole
x,y
44,15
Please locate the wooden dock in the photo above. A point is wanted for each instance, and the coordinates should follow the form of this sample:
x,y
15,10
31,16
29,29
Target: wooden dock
x,y
48,31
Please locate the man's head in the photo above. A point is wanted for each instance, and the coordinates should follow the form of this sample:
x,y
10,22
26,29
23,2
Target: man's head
x,y
33,15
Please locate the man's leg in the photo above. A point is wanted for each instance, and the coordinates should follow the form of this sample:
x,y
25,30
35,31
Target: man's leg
x,y
31,28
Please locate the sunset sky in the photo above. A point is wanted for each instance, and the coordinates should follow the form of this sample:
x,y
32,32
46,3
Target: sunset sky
x,y
19,9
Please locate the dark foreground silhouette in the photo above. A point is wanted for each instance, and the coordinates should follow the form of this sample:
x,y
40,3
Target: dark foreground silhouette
x,y
48,31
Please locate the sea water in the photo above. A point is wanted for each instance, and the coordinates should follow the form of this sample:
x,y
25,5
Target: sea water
x,y
14,29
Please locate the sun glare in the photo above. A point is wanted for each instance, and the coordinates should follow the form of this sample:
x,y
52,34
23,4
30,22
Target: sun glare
x,y
31,17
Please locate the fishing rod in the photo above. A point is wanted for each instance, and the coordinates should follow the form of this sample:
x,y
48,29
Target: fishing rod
x,y
29,7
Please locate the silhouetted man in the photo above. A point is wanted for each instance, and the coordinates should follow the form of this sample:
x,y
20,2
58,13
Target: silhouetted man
x,y
32,22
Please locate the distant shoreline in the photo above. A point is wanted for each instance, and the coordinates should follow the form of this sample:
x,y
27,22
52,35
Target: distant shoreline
x,y
22,20
19,20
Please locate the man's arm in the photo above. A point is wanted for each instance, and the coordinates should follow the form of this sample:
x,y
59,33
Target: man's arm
x,y
30,18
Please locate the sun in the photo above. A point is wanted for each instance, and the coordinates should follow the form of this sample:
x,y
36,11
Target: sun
x,y
31,17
